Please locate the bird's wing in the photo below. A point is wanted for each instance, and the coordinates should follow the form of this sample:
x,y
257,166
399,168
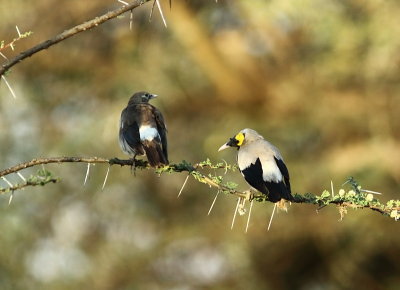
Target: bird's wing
x,y
285,172
162,130
253,174
129,128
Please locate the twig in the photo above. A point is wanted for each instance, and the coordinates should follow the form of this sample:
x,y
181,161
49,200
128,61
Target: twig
x,y
39,161
26,184
71,32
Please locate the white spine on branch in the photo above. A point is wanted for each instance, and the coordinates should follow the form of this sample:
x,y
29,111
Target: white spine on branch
x,y
212,205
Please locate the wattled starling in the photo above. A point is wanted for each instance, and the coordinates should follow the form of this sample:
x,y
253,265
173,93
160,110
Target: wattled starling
x,y
261,165
143,131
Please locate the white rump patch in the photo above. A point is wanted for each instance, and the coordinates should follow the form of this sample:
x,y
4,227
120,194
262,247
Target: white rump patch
x,y
148,133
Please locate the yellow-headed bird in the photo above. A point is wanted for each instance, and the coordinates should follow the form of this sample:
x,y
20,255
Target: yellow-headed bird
x,y
261,165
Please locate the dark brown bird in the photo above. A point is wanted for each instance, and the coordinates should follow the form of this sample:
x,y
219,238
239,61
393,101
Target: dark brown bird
x,y
142,130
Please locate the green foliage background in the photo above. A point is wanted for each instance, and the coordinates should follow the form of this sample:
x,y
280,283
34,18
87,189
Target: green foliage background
x,y
320,79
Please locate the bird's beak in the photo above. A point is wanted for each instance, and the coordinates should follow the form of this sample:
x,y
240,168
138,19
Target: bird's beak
x,y
153,96
231,143
223,147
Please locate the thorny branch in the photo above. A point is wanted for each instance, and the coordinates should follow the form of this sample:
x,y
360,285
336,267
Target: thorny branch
x,y
354,198
71,32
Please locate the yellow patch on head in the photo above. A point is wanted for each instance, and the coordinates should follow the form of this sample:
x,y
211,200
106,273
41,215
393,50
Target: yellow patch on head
x,y
240,138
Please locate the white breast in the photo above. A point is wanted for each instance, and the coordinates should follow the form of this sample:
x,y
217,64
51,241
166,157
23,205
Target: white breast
x,y
148,133
266,152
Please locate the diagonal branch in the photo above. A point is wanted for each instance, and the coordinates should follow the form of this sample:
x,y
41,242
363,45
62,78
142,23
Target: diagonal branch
x,y
71,32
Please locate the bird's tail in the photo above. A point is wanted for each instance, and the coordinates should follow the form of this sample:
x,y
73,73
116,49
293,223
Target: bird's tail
x,y
287,195
154,153
277,191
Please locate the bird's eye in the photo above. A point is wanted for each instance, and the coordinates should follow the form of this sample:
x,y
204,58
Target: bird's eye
x,y
146,95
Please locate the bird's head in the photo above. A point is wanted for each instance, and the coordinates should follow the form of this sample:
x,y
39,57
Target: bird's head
x,y
141,97
235,141
245,136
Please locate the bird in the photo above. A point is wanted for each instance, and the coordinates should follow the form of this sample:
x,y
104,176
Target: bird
x,y
143,131
261,165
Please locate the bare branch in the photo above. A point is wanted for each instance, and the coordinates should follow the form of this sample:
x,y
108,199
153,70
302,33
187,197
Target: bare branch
x,y
71,32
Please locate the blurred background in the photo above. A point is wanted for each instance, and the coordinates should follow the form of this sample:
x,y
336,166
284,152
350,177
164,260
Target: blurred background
x,y
319,79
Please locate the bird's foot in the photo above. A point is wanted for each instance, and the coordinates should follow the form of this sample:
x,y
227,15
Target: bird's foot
x,y
282,205
249,195
133,166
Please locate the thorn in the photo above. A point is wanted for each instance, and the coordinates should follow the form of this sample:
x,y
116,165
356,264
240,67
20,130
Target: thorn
x,y
321,207
21,176
131,20
161,13
152,10
248,218
87,174
123,2
11,198
234,215
9,183
347,181
332,192
212,205
184,183
9,87
19,33
226,166
5,57
272,216
370,191
105,178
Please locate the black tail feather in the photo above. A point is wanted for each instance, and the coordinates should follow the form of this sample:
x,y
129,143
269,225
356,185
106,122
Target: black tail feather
x,y
154,153
277,191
